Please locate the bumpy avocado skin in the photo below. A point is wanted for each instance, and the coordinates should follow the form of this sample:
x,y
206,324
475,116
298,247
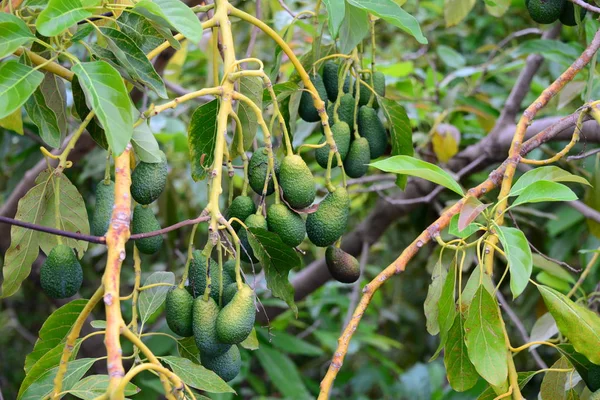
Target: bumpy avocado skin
x,y
342,266
345,110
330,80
61,274
148,181
145,221
379,83
297,182
567,16
328,223
253,221
371,128
545,11
197,277
241,208
341,135
236,319
205,315
306,109
229,268
287,224
227,365
178,309
229,292
105,199
358,158
257,171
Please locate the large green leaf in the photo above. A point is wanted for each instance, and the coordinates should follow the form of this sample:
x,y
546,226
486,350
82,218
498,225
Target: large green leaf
x,y
461,372
542,191
17,83
355,27
60,15
434,293
44,118
446,307
202,136
186,347
283,373
145,145
484,335
196,376
44,384
518,255
94,386
13,34
335,15
151,299
82,110
55,94
400,131
392,13
589,372
476,279
579,324
172,13
109,99
553,384
140,30
251,87
277,260
414,167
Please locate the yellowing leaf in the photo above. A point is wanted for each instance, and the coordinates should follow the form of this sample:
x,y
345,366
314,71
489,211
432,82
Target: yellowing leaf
x,y
444,144
13,122
456,10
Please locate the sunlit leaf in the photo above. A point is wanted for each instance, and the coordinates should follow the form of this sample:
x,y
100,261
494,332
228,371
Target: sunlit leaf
x,y
59,15
17,83
518,255
543,191
456,10
13,34
172,13
43,385
335,14
151,299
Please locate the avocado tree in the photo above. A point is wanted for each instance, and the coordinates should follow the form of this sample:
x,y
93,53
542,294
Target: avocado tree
x,y
271,159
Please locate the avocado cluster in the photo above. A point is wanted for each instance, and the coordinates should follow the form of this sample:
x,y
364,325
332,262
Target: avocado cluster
x,y
548,11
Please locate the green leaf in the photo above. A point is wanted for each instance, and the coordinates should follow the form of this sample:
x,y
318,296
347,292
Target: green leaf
x,y
151,299
54,330
450,57
44,384
550,280
196,376
187,348
202,135
446,307
553,384
579,324
543,329
476,278
552,268
485,338
393,14
355,26
60,15
544,191
277,260
172,13
14,33
251,87
461,372
414,167
290,344
518,255
133,59
560,52
105,92
456,10
13,122
283,373
251,342
434,293
38,207
140,30
17,83
589,372
55,97
497,8
465,233
93,386
522,377
335,14
82,110
47,361
400,131
98,324
145,145
592,198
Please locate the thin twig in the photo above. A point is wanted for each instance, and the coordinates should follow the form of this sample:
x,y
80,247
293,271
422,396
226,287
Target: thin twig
x,y
364,257
587,6
583,155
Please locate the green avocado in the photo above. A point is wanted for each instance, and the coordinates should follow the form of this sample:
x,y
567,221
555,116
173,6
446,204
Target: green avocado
x,y
205,314
229,268
297,182
236,319
306,109
229,292
328,223
371,128
61,274
287,224
148,181
227,365
342,266
257,171
567,16
330,79
241,208
145,221
358,158
379,83
345,110
178,308
342,136
253,221
545,11
105,200
197,277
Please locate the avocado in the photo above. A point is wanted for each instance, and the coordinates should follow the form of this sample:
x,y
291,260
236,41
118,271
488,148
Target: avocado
x,y
148,181
371,128
105,200
378,86
358,158
197,277
229,292
227,365
342,136
144,221
205,315
328,223
306,109
257,171
379,83
345,110
545,11
253,221
331,73
241,208
178,308
236,319
287,224
567,16
342,266
61,274
229,269
297,182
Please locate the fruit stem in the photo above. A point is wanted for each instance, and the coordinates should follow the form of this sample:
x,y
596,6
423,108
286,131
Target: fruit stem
x,y
190,254
206,252
372,28
240,150
137,268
